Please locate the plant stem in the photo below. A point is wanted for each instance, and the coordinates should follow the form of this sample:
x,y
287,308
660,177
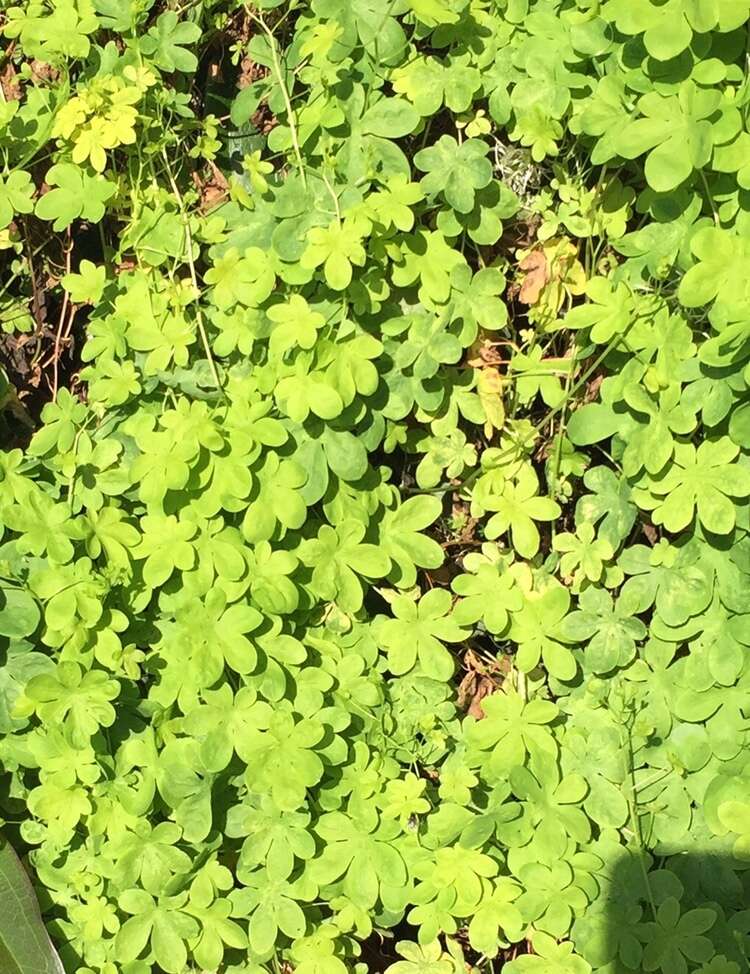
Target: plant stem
x,y
284,92
193,274
710,198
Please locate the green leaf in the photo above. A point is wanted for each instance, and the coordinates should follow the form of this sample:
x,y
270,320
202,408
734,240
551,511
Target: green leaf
x,y
25,947
674,152
511,730
609,314
592,423
549,958
391,118
337,247
76,195
418,631
719,258
434,12
537,629
338,557
518,507
456,170
609,505
610,630
167,41
702,481
16,196
490,594
87,285
402,539
19,613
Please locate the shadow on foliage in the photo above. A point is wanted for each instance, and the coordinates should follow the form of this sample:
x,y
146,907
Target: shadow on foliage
x,y
688,912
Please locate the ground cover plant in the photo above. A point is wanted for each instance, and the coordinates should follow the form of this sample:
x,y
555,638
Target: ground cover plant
x,y
374,490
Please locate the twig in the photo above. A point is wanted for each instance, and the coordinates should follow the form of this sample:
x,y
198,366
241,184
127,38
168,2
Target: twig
x,y
58,336
38,303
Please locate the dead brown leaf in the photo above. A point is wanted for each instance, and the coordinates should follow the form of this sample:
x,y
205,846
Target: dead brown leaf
x,y
536,277
213,189
250,71
43,71
484,352
264,120
592,388
9,82
440,577
219,178
239,30
211,197
465,527
481,680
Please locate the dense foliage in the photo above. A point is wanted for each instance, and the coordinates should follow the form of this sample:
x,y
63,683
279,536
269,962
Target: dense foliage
x,y
380,568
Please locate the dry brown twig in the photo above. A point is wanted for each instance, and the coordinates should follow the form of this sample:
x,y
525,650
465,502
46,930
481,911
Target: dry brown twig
x,y
61,322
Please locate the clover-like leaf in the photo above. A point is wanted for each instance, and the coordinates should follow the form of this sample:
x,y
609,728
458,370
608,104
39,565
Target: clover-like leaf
x,y
337,247
511,730
81,700
88,284
583,554
609,627
75,194
537,629
455,170
549,958
673,152
609,505
281,760
168,40
702,481
735,816
674,938
418,631
489,594
338,557
16,196
517,509
161,923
